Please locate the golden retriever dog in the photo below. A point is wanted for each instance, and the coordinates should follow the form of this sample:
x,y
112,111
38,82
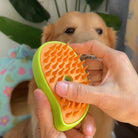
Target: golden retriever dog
x,y
72,27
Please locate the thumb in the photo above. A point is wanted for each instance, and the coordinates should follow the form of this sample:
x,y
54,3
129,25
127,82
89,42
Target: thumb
x,y
44,113
79,92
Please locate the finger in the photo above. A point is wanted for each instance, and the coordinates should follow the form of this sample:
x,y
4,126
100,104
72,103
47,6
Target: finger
x,y
104,73
44,113
80,92
96,48
88,126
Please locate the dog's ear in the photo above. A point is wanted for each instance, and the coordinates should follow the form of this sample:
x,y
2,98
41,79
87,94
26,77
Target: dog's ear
x,y
19,99
111,37
48,33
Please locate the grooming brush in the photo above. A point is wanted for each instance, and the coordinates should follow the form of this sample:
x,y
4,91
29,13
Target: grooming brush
x,y
56,61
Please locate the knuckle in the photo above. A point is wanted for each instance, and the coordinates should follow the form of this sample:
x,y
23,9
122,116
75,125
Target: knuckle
x,y
119,58
75,92
122,55
78,92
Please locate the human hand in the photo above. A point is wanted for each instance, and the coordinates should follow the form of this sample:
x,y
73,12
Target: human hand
x,y
86,129
117,95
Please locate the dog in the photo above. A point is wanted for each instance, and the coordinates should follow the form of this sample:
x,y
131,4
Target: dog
x,y
72,27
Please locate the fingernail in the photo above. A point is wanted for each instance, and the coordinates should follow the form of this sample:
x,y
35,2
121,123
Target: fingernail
x,y
61,88
38,94
89,129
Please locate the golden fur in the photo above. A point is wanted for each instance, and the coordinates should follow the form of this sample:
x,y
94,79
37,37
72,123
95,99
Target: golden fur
x,y
85,25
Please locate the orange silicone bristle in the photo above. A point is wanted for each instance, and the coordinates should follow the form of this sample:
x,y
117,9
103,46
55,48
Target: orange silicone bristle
x,y
59,63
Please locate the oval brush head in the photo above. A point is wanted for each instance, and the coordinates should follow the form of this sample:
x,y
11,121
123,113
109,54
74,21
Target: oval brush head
x,y
55,61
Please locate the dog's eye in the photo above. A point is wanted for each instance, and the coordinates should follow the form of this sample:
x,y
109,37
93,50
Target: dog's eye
x,y
99,31
70,30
